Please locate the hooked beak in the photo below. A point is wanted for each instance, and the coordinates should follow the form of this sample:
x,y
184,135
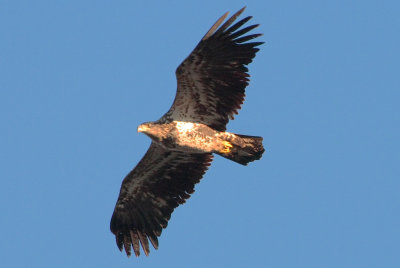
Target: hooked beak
x,y
142,128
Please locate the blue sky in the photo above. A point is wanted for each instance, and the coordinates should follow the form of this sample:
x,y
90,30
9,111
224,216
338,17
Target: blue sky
x,y
77,77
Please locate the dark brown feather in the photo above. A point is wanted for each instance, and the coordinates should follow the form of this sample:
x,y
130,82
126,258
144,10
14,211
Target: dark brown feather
x,y
127,245
135,242
229,21
213,78
144,242
149,194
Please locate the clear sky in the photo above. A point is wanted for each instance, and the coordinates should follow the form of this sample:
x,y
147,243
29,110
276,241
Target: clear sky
x,y
77,77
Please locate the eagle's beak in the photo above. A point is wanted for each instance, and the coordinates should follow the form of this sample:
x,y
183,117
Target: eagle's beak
x,y
142,128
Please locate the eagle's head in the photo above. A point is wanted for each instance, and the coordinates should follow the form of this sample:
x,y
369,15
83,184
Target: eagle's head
x,y
153,130
145,127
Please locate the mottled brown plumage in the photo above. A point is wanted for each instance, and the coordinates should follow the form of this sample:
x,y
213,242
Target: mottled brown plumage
x,y
213,78
211,89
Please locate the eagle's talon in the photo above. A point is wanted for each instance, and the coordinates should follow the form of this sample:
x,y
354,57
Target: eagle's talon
x,y
227,147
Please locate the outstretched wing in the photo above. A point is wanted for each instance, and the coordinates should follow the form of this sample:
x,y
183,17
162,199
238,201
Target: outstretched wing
x,y
213,78
150,192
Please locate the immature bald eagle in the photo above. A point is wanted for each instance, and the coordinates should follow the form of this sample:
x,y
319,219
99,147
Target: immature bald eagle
x,y
211,88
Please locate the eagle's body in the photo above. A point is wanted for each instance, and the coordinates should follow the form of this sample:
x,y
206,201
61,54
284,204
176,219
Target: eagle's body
x,y
211,89
199,138
182,136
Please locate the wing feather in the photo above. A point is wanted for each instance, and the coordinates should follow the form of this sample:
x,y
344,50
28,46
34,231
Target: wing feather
x,y
150,192
229,21
213,78
135,242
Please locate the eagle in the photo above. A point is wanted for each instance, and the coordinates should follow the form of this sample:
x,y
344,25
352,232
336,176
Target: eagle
x,y
211,89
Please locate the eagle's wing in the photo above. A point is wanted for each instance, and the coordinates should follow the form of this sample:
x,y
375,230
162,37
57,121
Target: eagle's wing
x,y
213,78
150,192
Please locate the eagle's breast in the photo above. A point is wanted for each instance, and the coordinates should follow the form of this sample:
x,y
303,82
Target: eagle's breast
x,y
189,137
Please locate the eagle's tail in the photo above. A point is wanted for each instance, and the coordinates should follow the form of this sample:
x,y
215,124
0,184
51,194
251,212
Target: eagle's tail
x,y
243,150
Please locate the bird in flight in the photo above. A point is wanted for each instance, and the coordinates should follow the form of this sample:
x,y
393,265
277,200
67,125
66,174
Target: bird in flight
x,y
211,89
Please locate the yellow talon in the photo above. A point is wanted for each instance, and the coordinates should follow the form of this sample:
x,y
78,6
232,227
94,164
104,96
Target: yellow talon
x,y
227,147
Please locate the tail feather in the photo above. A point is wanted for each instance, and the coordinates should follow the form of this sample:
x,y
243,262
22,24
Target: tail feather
x,y
244,150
